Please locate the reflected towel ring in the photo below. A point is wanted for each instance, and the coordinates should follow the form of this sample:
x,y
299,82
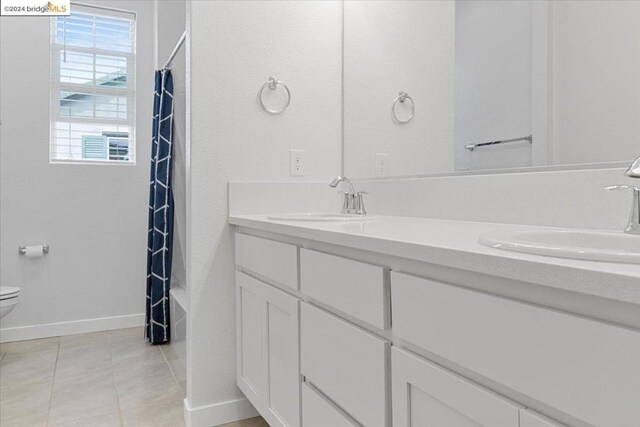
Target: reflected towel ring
x,y
272,84
402,97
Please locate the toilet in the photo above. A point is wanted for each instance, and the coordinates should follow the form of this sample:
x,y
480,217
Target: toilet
x,y
9,296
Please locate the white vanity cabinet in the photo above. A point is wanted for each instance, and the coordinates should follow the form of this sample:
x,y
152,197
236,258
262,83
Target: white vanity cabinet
x,y
332,341
268,363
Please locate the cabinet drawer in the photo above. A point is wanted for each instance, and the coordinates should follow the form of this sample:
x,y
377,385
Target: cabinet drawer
x,y
353,287
425,394
584,368
274,260
346,363
318,411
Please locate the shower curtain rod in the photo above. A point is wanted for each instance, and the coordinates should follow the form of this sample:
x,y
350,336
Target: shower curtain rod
x,y
175,50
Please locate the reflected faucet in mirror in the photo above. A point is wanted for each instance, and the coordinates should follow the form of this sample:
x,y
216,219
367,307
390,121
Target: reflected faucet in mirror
x,y
353,202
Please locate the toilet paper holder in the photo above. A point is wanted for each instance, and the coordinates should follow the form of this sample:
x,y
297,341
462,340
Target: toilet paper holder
x,y
22,250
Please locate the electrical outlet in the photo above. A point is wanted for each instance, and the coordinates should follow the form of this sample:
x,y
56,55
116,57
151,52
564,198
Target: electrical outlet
x,y
296,162
382,164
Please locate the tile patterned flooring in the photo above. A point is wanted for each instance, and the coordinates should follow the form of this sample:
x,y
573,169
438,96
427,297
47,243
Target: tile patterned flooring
x,y
102,379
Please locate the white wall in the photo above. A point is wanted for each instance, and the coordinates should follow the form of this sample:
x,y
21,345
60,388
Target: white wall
x,y
234,47
393,46
493,82
596,60
569,198
171,16
94,217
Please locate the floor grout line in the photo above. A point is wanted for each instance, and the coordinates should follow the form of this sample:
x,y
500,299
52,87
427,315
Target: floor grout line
x,y
115,386
171,369
53,381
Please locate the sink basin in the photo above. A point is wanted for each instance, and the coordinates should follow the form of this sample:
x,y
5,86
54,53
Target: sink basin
x,y
575,244
324,217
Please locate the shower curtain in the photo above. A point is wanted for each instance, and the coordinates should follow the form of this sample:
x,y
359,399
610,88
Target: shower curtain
x,y
160,231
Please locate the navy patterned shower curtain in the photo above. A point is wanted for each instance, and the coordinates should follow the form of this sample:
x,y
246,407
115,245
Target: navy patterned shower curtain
x,y
160,238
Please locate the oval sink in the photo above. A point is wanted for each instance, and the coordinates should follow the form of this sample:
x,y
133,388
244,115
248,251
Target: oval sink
x,y
325,217
575,244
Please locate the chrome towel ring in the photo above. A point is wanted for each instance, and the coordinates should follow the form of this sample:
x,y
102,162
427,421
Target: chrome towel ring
x,y
401,98
272,84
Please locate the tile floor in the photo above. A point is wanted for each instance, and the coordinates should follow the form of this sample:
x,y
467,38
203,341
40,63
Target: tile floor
x,y
110,378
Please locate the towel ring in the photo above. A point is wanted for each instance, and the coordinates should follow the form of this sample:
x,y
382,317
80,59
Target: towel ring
x,y
402,97
272,84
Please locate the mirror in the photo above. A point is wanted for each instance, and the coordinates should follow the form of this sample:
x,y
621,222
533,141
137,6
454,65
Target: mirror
x,y
439,87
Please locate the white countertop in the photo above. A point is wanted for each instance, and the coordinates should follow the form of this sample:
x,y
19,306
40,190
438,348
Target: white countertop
x,y
455,244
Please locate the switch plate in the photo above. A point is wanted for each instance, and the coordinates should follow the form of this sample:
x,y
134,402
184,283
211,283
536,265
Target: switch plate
x,y
296,162
382,164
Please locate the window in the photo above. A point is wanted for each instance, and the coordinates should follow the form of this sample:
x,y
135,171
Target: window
x,y
93,86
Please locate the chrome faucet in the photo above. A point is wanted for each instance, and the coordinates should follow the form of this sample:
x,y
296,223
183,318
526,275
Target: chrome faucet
x,y
353,200
634,220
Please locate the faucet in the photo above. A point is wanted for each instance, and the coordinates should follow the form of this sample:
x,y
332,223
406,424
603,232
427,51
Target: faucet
x,y
634,220
353,200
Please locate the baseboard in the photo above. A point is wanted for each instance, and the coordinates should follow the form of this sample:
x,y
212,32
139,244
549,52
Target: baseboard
x,y
47,330
218,413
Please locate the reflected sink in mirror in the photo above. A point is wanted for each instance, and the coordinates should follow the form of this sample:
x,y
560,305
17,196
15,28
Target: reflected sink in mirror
x,y
321,217
574,244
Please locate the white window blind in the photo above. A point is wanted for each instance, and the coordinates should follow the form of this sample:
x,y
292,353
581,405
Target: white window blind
x,y
93,86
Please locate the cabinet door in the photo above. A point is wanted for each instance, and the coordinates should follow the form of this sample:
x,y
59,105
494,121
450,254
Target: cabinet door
x,y
281,362
426,395
267,350
248,338
529,418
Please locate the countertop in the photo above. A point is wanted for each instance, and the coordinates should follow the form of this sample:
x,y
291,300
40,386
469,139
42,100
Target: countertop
x,y
455,244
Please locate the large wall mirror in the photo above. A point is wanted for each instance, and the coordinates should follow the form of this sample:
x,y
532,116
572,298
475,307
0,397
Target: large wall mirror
x,y
438,87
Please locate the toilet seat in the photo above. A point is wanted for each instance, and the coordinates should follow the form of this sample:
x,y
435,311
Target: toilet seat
x,y
8,292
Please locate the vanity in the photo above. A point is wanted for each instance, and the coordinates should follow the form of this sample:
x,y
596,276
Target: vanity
x,y
397,321
449,110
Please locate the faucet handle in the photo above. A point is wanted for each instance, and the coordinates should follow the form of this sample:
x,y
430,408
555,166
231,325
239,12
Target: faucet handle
x,y
359,203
